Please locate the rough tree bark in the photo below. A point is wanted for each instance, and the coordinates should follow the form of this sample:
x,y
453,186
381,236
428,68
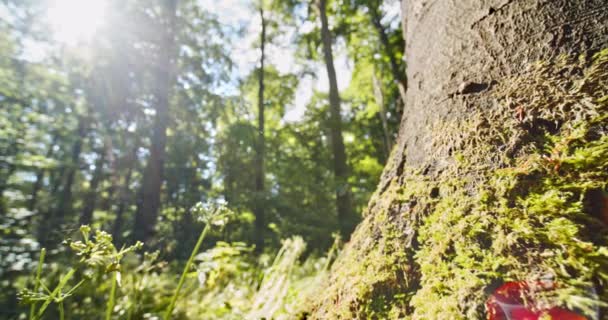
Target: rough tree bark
x,y
148,202
495,150
260,219
346,216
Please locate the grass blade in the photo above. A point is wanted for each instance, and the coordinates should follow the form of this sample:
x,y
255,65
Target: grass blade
x,y
110,305
185,272
37,283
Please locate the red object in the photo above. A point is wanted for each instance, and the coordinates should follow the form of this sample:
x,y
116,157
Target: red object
x,y
524,314
560,313
507,303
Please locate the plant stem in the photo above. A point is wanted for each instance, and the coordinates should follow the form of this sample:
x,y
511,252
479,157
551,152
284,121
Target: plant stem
x,y
61,313
185,272
37,283
55,292
110,305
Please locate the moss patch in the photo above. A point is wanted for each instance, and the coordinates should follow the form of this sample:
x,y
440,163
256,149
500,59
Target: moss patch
x,y
510,196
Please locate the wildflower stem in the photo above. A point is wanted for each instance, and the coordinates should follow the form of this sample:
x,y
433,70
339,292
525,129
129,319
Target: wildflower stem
x,y
55,292
185,272
61,311
37,283
110,305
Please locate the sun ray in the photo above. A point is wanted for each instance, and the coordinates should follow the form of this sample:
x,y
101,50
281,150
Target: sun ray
x,y
75,21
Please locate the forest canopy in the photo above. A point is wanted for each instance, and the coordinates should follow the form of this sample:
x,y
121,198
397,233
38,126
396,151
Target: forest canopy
x,y
133,117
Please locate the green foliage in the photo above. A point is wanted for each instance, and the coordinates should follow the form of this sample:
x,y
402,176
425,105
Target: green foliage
x,y
98,257
213,217
76,131
227,275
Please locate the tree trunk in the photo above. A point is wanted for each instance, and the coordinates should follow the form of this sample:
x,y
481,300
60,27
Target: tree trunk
x,y
148,203
497,157
114,180
91,198
124,195
65,199
260,219
346,216
56,179
379,97
396,71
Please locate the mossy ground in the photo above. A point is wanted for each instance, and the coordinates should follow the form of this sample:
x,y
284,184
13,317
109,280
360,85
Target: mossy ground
x,y
515,194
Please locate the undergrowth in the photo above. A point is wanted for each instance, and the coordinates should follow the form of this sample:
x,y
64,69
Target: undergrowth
x,y
226,281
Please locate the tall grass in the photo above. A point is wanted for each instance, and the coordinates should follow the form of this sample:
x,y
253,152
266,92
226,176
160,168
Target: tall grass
x,y
270,297
112,298
37,281
187,268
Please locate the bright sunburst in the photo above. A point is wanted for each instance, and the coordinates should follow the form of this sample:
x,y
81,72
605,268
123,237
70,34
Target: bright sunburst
x,y
73,21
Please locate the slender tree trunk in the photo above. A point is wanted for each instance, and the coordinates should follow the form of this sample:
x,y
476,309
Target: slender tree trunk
x,y
148,203
260,219
124,194
114,177
346,216
91,198
504,98
65,198
123,200
56,179
396,71
379,97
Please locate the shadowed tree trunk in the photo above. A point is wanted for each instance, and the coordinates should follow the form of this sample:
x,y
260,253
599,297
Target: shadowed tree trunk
x,y
260,219
114,180
65,198
148,202
494,161
396,71
379,97
124,194
55,178
346,216
91,197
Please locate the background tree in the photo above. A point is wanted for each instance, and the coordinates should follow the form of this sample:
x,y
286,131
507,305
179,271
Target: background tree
x,y
260,219
148,204
341,170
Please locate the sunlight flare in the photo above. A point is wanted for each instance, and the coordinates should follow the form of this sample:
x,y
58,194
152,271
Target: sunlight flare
x,y
73,21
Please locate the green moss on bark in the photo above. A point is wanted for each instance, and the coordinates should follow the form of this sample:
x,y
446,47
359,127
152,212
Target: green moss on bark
x,y
510,195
